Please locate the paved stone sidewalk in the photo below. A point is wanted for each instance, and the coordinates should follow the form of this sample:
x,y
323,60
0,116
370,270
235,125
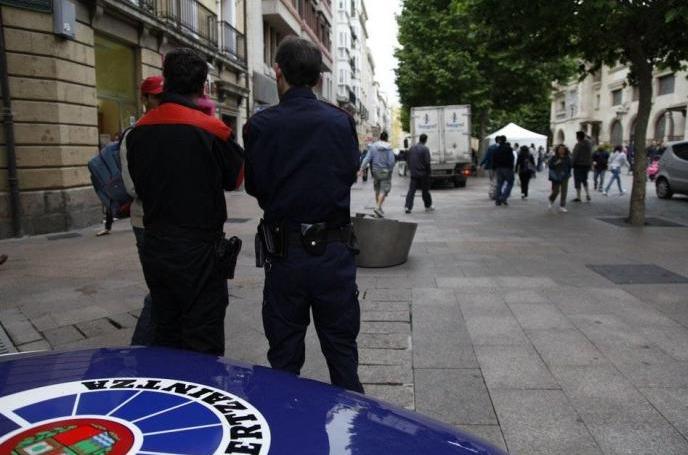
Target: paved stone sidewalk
x,y
496,324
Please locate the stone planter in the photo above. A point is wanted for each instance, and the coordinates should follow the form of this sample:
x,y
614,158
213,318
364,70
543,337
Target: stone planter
x,y
383,242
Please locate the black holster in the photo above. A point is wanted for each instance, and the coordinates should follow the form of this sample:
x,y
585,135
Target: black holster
x,y
271,241
227,255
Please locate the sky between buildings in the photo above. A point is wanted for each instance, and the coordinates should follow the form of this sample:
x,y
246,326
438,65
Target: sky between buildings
x,y
383,31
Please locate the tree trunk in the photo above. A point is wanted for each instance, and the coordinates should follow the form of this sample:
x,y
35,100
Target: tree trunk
x,y
643,71
482,131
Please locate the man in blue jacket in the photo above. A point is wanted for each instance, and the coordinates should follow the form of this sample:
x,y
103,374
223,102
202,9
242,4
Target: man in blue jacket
x,y
381,158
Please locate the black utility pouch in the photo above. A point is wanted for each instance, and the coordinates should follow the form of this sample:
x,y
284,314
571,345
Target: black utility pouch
x,y
314,238
352,240
228,253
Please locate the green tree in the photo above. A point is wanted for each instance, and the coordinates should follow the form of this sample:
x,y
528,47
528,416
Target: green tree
x,y
643,34
450,56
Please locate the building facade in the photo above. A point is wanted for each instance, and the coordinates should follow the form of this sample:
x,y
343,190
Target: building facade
x,y
268,22
605,106
355,68
71,96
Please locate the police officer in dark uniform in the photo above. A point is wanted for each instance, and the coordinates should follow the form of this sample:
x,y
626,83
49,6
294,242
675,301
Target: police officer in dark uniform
x,y
301,161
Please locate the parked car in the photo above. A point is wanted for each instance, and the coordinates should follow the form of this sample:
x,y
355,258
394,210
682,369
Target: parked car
x,y
161,401
673,171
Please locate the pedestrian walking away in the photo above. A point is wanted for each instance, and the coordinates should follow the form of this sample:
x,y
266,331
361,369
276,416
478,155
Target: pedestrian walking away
x,y
181,161
418,159
306,237
559,174
381,159
582,162
486,164
503,162
525,167
540,158
151,92
600,163
616,162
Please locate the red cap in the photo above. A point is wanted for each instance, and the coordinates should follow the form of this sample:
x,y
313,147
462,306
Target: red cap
x,y
152,85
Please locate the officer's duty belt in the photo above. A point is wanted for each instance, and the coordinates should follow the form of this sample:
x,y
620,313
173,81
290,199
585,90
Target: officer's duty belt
x,y
329,235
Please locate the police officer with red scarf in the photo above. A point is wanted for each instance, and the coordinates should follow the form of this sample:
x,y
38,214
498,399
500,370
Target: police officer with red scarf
x,y
181,162
301,161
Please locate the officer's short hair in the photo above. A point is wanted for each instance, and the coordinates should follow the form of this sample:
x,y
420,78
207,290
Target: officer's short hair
x,y
423,138
580,135
300,61
185,72
384,136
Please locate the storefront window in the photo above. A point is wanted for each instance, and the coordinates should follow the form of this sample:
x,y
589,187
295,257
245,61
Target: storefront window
x,y
115,86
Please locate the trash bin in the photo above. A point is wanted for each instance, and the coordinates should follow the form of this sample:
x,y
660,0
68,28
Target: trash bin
x,y
383,242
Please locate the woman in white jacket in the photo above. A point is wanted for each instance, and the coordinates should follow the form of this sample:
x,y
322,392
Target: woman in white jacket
x,y
616,162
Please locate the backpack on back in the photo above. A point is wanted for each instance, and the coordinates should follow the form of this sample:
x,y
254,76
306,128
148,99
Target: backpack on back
x,y
106,176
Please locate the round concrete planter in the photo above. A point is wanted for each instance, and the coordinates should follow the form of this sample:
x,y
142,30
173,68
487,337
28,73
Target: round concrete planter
x,y
383,242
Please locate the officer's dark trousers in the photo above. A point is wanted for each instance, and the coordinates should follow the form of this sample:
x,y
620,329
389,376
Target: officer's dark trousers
x,y
326,285
424,184
189,295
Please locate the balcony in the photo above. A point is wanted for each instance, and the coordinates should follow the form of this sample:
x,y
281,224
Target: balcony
x,y
352,97
232,42
285,19
190,17
146,6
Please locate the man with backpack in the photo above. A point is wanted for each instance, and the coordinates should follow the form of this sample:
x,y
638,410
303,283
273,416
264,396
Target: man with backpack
x,y
106,177
381,159
181,161
151,92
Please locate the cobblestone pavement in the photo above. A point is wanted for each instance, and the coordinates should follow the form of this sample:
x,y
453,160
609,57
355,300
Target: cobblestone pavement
x,y
496,323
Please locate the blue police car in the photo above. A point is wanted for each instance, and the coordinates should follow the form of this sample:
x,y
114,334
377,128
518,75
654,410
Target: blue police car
x,y
155,401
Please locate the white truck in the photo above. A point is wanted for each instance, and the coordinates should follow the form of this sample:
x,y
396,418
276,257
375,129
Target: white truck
x,y
449,139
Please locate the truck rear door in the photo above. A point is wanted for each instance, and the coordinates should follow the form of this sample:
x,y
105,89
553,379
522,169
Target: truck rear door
x,y
426,120
457,134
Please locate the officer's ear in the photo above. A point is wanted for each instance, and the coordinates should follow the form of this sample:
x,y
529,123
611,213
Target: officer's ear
x,y
278,71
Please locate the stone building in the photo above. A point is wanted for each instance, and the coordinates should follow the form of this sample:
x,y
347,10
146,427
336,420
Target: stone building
x,y
71,96
605,106
355,67
268,22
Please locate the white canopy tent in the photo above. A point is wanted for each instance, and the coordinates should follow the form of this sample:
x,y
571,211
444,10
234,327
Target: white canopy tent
x,y
521,136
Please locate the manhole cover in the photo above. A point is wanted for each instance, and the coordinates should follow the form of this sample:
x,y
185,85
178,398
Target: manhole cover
x,y
637,274
238,220
650,222
66,235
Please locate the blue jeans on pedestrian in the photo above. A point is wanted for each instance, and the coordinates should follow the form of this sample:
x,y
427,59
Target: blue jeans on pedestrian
x,y
616,175
599,178
505,182
143,332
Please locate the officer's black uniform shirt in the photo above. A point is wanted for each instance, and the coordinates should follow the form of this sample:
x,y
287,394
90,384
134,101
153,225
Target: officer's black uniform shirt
x,y
301,160
181,161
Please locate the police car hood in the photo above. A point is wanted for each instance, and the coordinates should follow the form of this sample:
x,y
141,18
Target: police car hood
x,y
155,400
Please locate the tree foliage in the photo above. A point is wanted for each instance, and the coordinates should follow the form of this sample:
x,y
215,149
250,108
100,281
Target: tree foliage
x,y
448,56
643,34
